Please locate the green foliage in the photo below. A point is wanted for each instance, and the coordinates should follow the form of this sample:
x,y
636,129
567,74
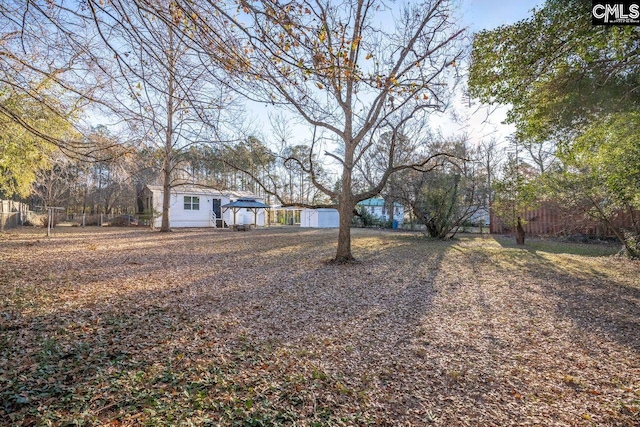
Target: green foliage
x,y
609,151
601,174
231,167
557,70
446,197
516,191
150,215
22,153
439,202
366,218
575,84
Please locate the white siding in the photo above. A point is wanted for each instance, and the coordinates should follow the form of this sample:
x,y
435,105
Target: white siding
x,y
242,216
202,217
319,218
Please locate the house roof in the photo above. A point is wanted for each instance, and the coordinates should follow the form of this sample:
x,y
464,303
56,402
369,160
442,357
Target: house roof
x,y
207,191
287,208
376,201
246,203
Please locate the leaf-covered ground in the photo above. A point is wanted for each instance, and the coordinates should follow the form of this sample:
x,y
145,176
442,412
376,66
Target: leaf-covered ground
x,y
204,327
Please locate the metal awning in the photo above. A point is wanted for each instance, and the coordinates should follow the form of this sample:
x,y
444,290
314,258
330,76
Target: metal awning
x,y
246,203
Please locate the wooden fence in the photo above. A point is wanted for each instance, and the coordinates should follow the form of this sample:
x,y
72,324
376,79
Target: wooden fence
x,y
550,219
12,214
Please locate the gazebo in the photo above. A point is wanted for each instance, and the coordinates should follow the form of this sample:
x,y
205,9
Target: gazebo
x,y
249,204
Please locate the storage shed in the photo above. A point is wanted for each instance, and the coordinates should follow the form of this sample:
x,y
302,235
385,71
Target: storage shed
x,y
320,218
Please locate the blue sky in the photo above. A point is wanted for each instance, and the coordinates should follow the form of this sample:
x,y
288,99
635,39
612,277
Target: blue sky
x,y
476,15
488,14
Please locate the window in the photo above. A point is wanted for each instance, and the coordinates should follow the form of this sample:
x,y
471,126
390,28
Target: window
x,y
191,203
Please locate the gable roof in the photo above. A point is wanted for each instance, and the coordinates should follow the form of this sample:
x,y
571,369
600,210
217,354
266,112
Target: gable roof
x,y
204,191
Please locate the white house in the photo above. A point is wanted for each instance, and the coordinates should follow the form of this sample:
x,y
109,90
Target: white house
x,y
379,208
194,206
320,218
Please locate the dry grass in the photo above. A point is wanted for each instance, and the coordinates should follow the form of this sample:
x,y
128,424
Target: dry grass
x,y
203,327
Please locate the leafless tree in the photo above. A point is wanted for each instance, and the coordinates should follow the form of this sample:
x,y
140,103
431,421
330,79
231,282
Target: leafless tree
x,y
159,86
357,70
46,57
450,195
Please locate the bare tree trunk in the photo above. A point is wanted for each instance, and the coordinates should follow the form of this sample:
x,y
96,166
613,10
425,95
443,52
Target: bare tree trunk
x,y
168,145
519,232
343,253
84,201
630,249
166,191
345,209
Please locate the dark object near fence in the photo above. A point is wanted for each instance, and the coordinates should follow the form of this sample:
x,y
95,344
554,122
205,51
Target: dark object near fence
x,y
240,227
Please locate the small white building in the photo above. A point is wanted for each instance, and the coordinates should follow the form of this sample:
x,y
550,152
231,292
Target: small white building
x,y
320,218
195,206
379,208
480,217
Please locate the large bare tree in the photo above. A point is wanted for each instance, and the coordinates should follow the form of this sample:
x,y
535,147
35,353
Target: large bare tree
x,y
356,70
46,60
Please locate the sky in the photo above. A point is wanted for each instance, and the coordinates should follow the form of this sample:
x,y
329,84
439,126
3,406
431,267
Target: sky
x,y
489,14
486,15
476,15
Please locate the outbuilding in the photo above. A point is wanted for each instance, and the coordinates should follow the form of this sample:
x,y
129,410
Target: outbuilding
x,y
320,218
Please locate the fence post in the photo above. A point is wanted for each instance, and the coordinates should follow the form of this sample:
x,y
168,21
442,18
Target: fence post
x,y
49,222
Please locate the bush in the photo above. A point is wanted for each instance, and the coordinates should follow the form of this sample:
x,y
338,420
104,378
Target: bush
x,y
45,221
365,218
34,220
632,244
122,221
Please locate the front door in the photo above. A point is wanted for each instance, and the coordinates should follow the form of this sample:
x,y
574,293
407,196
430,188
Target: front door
x,y
218,211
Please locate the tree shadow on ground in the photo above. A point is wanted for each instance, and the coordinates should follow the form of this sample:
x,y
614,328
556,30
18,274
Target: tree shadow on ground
x,y
583,292
556,246
203,344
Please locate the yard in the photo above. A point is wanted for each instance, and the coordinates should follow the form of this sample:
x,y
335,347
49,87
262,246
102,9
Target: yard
x,y
134,327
